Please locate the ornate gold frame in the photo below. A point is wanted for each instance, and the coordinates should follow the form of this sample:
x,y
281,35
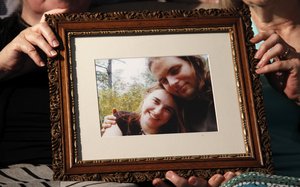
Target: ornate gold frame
x,y
67,164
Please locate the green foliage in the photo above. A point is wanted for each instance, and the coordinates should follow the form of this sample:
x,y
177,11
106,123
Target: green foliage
x,y
148,78
115,98
115,91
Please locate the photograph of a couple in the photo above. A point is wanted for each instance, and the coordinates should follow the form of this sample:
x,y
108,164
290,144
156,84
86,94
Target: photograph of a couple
x,y
155,95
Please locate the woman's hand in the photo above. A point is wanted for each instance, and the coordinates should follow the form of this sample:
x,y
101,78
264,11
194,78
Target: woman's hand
x,y
34,42
108,122
176,180
284,71
110,126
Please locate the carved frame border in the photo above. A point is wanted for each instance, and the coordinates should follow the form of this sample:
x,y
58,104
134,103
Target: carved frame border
x,y
66,164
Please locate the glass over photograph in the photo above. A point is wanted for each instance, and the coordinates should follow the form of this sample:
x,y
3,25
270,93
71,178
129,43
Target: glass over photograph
x,y
155,95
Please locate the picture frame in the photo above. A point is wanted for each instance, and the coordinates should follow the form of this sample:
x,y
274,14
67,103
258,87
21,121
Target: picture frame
x,y
79,150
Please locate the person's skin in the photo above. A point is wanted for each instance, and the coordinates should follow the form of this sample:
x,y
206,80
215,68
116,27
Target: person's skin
x,y
157,109
39,35
278,24
177,76
214,181
110,122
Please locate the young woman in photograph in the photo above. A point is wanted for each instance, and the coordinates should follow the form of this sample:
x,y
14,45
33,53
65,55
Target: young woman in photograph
x,y
158,114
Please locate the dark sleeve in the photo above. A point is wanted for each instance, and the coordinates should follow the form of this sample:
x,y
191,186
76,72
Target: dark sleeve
x,y
10,27
283,118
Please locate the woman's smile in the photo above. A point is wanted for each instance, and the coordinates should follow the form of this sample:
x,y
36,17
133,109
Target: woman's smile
x,y
157,109
153,115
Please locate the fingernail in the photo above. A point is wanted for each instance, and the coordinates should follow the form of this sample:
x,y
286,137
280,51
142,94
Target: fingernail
x,y
193,181
156,182
219,178
42,64
55,43
257,66
257,54
228,174
169,174
260,63
53,52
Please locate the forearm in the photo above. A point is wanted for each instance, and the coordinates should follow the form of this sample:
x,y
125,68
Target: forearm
x,y
12,67
5,70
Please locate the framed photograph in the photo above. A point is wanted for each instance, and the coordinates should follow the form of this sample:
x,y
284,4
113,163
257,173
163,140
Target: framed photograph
x,y
135,94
